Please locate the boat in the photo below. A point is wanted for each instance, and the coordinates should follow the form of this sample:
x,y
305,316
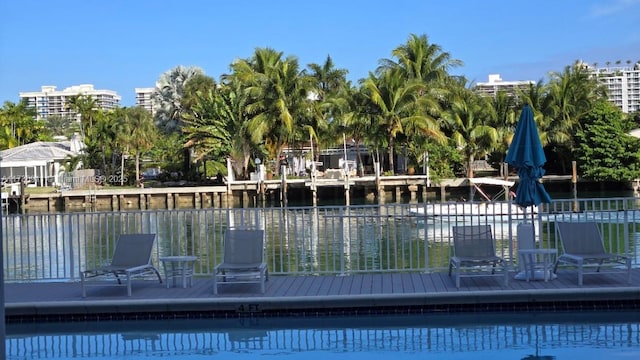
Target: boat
x,y
489,206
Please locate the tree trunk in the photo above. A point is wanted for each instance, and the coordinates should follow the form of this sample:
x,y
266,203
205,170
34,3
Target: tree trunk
x,y
137,169
391,155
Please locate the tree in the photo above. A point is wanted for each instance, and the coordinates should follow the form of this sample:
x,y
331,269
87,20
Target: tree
x,y
395,103
327,105
205,127
467,120
277,93
19,125
142,136
427,64
58,125
86,109
168,97
326,78
169,100
605,152
418,59
570,96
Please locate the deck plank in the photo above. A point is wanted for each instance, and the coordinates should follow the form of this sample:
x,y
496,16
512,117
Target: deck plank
x,y
61,297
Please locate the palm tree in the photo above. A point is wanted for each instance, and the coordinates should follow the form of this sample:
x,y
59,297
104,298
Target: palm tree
x,y
168,99
418,59
503,118
206,126
570,96
277,93
86,109
120,139
143,132
233,101
58,125
468,121
326,103
327,79
20,124
396,103
425,63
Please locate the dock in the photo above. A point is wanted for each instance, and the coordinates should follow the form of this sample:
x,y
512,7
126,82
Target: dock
x,y
246,193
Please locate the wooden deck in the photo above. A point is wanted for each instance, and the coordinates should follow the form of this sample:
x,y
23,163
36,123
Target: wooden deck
x,y
328,294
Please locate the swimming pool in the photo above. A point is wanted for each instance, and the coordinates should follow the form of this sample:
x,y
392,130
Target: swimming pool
x,y
606,335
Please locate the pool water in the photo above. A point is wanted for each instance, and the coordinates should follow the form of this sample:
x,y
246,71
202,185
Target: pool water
x,y
587,335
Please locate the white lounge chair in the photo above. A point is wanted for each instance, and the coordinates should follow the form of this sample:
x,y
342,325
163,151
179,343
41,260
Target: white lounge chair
x,y
583,247
474,250
243,259
131,258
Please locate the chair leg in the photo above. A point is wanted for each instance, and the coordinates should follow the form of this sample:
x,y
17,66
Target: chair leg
x,y
580,275
215,283
84,290
506,274
158,275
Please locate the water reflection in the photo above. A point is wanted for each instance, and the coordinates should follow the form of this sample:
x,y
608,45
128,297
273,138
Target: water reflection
x,y
444,336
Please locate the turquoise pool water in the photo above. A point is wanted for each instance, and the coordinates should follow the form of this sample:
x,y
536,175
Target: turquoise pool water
x,y
609,335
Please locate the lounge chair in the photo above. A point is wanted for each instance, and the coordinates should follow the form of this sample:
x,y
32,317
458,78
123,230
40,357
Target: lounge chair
x,y
131,258
243,259
474,249
583,247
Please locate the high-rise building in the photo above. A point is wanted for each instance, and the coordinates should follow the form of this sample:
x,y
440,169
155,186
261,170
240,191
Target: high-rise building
x,y
144,99
622,83
496,84
49,101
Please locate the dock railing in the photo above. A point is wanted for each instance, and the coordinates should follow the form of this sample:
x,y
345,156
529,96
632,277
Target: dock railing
x,y
338,240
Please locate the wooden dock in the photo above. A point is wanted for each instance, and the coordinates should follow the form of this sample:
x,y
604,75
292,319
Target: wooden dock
x,y
246,193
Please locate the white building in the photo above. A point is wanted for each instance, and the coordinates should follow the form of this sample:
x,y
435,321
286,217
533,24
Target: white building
x,y
496,84
622,83
50,101
39,163
144,99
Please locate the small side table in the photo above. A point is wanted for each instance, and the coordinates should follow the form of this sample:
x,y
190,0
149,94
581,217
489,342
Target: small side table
x,y
537,261
181,267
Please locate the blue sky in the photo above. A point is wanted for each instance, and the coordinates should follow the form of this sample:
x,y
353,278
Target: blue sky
x,y
120,45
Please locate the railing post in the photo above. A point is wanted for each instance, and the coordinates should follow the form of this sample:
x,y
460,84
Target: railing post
x,y
72,262
626,228
426,245
342,243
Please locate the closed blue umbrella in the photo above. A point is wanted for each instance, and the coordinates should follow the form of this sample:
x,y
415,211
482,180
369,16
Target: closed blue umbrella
x,y
526,154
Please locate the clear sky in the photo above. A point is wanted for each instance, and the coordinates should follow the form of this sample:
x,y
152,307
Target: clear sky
x,y
123,44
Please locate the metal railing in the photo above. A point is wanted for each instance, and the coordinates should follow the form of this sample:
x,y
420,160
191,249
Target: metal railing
x,y
300,240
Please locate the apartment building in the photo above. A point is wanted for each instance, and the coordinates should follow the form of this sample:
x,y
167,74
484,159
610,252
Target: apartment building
x,y
144,99
50,101
496,84
622,83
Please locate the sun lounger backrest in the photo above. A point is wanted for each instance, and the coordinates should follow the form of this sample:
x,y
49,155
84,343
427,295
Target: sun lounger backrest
x,y
582,238
133,250
473,241
243,246
525,237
